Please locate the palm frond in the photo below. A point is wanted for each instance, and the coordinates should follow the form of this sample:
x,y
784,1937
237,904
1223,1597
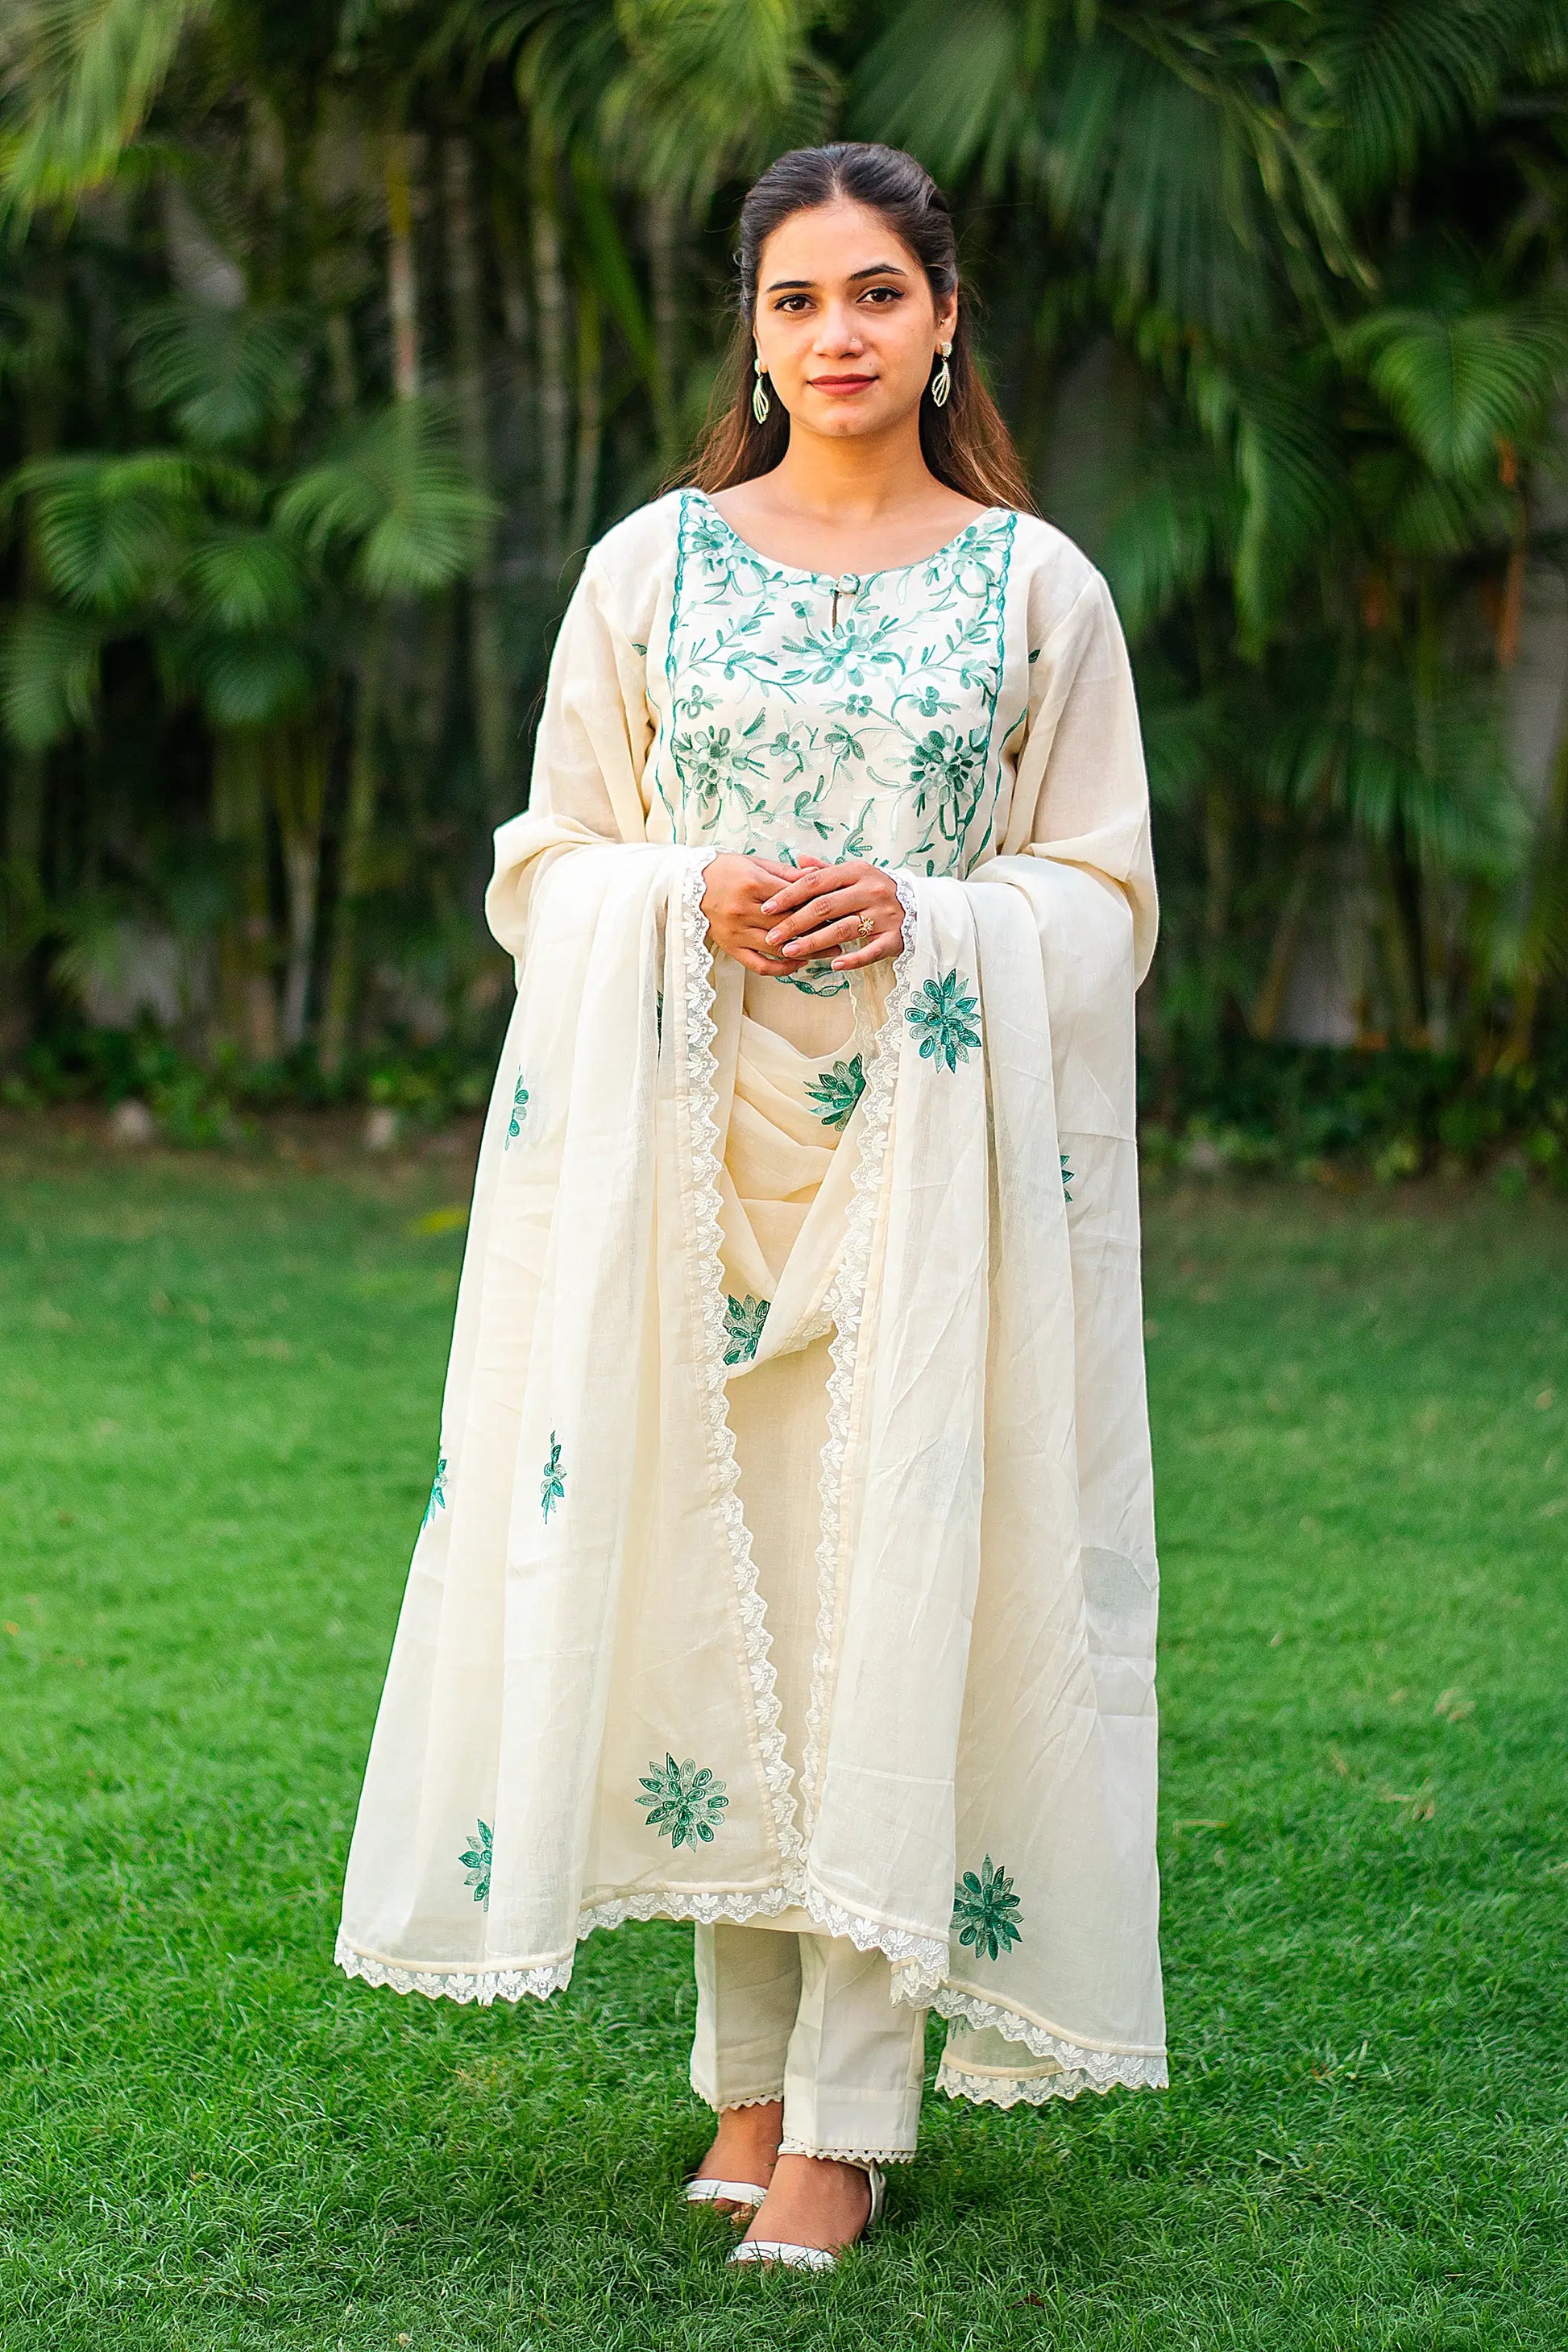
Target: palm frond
x,y
1399,76
226,374
48,675
1459,384
89,70
396,493
109,531
244,579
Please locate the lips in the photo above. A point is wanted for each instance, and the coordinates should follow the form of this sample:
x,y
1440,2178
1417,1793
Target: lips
x,y
841,383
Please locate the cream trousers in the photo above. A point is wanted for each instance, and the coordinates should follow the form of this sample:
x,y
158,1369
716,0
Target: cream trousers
x,y
809,2019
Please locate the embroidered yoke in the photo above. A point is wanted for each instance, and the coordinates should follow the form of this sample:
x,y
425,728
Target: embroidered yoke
x,y
790,1557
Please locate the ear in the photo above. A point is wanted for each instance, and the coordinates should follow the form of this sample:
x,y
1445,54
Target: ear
x,y
947,319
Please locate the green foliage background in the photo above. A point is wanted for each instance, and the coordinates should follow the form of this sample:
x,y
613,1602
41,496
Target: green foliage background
x,y
329,339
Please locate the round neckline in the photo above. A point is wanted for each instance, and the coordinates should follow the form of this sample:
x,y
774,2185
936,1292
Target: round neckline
x,y
885,572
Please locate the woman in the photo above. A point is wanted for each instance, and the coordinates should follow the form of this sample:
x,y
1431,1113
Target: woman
x,y
789,1565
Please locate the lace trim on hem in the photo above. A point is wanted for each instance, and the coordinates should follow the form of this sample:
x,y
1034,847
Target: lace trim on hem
x,y
900,1946
728,2106
439,1982
842,1309
969,2009
1034,2090
860,2156
678,1903
704,1234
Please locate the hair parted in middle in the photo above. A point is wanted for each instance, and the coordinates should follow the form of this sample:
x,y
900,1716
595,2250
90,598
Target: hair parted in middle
x,y
964,442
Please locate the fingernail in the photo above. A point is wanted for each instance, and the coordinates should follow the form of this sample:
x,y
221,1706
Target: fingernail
x,y
796,947
772,939
770,906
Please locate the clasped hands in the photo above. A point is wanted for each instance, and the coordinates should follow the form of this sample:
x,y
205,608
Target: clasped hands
x,y
774,917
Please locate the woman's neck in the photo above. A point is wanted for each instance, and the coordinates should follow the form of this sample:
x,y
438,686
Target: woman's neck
x,y
858,504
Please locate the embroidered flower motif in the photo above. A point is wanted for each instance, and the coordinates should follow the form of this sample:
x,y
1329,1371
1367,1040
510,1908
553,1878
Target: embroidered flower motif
x,y
684,1805
838,1091
943,760
553,1485
518,1113
438,1493
743,1320
1067,1178
983,1909
772,692
476,1861
942,1018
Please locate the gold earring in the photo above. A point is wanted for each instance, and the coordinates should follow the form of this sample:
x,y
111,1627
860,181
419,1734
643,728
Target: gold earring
x,y
941,382
760,404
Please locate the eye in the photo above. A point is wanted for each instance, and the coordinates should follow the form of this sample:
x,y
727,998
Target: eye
x,y
883,295
790,301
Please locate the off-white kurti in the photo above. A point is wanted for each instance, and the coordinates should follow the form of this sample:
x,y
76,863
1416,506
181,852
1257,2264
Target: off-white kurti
x,y
791,1553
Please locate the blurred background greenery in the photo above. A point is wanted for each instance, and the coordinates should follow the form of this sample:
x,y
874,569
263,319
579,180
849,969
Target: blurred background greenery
x,y
332,336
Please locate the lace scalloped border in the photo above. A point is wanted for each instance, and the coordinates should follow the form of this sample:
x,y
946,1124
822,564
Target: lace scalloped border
x,y
842,1310
863,2156
1034,2090
482,1986
705,1240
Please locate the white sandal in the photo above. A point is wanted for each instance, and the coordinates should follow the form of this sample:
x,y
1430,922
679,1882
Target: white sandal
x,y
749,2193
769,2251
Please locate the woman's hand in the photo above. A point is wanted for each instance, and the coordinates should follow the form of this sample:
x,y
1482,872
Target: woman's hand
x,y
822,908
734,888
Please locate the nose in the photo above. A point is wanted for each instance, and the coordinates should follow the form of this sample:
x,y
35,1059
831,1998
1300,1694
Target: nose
x,y
838,332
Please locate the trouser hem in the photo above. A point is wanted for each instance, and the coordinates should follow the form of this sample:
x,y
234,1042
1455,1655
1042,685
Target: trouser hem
x,y
860,2156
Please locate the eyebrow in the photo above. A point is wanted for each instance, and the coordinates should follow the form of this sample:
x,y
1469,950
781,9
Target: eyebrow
x,y
802,284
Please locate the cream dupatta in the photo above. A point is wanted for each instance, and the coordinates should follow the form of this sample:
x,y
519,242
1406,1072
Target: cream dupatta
x,y
581,1724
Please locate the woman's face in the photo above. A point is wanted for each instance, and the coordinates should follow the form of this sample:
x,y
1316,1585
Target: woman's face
x,y
845,325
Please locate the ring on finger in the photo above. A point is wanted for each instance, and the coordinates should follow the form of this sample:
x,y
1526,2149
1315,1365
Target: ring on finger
x,y
866,924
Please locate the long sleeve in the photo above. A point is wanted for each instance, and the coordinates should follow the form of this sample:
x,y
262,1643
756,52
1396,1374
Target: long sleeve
x,y
588,761
1080,795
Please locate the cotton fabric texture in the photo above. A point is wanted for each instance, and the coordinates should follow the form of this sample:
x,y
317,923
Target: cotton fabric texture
x,y
790,1556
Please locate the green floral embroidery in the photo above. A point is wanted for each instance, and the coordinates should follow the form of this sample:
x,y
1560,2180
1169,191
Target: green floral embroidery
x,y
942,1016
684,1805
552,1487
837,1091
786,707
982,1911
518,1113
476,1861
743,1320
1067,1178
438,1493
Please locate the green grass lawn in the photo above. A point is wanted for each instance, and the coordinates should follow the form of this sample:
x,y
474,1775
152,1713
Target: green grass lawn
x,y
219,1383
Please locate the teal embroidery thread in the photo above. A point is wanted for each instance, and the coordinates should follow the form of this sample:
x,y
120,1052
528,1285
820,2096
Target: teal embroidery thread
x,y
837,1091
553,1485
743,1320
476,1861
1067,1179
438,1493
897,700
684,1805
943,1017
986,1913
518,1113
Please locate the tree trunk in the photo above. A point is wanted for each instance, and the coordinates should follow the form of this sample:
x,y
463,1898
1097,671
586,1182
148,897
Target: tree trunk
x,y
1283,951
247,1009
402,286
590,420
1546,922
551,306
663,219
299,762
359,839
487,652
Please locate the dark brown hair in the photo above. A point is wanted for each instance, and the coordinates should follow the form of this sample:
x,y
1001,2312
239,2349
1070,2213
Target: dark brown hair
x,y
966,444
